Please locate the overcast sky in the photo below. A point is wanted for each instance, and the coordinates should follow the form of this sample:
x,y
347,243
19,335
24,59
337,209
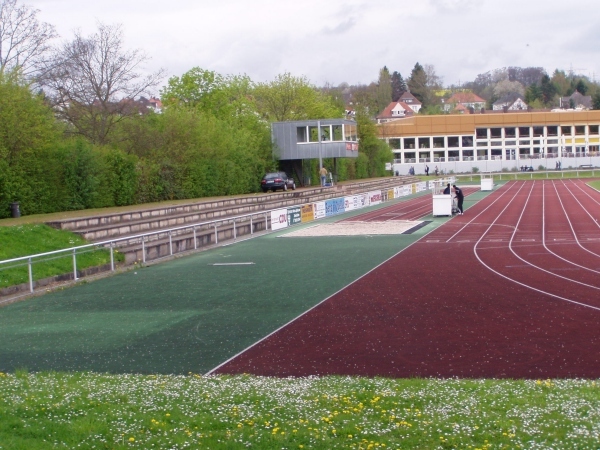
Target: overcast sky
x,y
335,41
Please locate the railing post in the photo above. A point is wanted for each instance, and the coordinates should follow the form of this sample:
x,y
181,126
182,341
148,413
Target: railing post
x,y
112,258
195,240
30,276
171,243
234,233
74,265
144,249
251,227
216,234
266,223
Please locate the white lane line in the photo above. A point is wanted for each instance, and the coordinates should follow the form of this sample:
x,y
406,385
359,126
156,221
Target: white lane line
x,y
529,265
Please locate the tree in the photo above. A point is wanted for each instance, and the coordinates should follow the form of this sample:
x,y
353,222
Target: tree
x,y
94,80
24,40
417,83
376,150
506,87
28,134
384,89
596,101
293,98
532,94
581,87
548,90
560,81
398,86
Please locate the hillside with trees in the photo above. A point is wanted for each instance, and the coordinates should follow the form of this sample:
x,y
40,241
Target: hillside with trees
x,y
81,125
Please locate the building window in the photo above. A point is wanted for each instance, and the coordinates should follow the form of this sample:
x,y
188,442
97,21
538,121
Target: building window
x,y
496,133
538,131
424,142
580,130
338,133
394,143
467,141
313,132
566,130
350,132
481,133
552,130
524,132
301,134
453,141
438,142
593,129
409,143
510,132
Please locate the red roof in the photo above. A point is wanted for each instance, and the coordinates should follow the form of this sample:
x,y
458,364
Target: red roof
x,y
465,97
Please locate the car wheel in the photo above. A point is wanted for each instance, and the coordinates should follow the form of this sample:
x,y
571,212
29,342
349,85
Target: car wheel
x,y
293,186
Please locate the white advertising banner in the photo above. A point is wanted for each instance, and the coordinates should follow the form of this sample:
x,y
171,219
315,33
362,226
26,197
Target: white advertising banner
x,y
350,203
374,197
320,211
422,186
407,189
279,219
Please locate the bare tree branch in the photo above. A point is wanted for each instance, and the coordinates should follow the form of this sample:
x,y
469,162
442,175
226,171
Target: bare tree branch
x,y
94,80
24,40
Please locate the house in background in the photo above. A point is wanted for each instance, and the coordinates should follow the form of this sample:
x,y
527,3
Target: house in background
x,y
462,101
511,102
576,101
406,106
412,101
394,111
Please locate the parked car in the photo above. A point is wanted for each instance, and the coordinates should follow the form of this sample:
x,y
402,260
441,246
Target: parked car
x,y
277,180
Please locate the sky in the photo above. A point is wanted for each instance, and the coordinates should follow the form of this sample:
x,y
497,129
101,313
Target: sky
x,y
336,41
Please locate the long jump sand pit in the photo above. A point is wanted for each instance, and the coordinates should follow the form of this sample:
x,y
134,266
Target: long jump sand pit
x,y
357,228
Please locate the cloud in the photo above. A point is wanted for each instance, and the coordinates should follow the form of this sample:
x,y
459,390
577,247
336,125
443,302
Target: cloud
x,y
342,27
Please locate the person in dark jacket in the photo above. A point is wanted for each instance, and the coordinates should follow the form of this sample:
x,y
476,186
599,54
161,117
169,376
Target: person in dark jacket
x,y
447,190
459,198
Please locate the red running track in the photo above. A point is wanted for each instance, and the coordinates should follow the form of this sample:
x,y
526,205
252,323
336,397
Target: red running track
x,y
509,290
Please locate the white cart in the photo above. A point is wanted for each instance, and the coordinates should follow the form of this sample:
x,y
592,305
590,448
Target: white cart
x,y
487,182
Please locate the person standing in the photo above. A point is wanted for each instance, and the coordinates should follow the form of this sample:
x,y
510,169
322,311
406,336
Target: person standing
x,y
460,196
426,170
323,173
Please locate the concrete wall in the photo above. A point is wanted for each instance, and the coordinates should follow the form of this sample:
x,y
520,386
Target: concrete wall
x,y
498,166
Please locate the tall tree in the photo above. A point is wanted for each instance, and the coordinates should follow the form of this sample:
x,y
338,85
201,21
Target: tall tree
x,y
548,90
93,81
560,81
417,83
398,86
581,87
24,40
384,89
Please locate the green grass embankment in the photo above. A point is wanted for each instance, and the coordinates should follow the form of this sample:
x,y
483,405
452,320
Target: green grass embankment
x,y
86,410
31,239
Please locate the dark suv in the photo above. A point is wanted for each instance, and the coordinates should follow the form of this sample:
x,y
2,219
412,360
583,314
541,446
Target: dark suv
x,y
277,180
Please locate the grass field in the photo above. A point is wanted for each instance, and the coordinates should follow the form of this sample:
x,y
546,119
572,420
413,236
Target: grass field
x,y
85,410
31,239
